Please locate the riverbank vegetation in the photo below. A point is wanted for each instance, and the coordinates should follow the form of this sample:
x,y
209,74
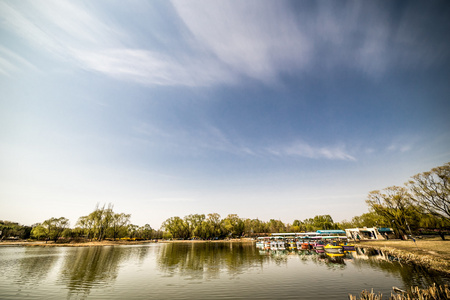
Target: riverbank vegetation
x,y
414,293
420,207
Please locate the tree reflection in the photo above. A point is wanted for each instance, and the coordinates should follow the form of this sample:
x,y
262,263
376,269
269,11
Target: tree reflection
x,y
207,260
36,265
411,274
91,266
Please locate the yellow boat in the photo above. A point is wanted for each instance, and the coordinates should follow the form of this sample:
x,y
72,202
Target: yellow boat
x,y
333,248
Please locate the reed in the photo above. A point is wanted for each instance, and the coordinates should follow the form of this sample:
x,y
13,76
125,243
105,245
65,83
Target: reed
x,y
433,292
366,295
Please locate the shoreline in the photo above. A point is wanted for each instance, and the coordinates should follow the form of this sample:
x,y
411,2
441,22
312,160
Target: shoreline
x,y
430,254
112,243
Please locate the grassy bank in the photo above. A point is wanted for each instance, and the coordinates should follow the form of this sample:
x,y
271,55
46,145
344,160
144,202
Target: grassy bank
x,y
430,253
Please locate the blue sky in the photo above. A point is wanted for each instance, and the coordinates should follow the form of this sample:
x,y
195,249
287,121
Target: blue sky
x,y
267,109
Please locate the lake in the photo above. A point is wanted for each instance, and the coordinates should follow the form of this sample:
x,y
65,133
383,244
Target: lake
x,y
198,271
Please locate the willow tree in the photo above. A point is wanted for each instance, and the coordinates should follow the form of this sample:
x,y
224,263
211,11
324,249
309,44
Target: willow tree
x,y
50,229
177,227
195,224
119,223
394,204
233,226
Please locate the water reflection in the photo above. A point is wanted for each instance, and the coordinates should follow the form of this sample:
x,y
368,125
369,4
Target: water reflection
x,y
208,260
206,270
411,274
90,266
35,265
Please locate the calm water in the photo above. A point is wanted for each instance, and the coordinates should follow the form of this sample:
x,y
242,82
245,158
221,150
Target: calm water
x,y
197,271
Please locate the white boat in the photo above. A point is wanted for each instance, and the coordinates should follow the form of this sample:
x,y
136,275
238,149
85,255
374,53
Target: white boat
x,y
260,243
281,245
273,245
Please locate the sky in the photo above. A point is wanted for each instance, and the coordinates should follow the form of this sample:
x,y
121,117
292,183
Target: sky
x,y
266,109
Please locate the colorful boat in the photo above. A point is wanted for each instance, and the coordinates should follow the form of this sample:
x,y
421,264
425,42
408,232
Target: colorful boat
x,y
348,247
333,248
292,245
306,246
319,245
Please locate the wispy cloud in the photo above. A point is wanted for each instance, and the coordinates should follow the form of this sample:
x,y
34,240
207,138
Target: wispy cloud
x,y
223,41
399,148
263,39
303,149
211,138
254,40
402,144
152,68
11,62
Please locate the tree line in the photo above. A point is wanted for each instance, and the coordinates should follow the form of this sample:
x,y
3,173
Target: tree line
x,y
421,203
103,223
421,206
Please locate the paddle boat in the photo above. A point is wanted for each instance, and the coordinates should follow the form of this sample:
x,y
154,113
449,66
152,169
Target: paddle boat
x,y
292,245
319,245
273,245
348,247
281,245
333,248
260,242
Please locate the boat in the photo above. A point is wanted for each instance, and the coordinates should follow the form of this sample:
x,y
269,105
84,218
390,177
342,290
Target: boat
x,y
273,245
318,245
292,245
306,246
260,243
348,247
281,245
333,248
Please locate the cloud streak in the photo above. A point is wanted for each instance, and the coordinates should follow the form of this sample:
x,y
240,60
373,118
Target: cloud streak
x,y
225,41
212,138
303,149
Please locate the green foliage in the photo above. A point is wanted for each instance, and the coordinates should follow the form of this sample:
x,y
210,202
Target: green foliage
x,y
393,204
39,232
177,227
104,223
52,229
14,230
423,203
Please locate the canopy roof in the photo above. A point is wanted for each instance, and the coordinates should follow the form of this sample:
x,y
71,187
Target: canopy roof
x,y
383,229
331,231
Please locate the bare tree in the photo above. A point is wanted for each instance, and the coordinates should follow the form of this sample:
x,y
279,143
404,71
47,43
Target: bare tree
x,y
431,191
